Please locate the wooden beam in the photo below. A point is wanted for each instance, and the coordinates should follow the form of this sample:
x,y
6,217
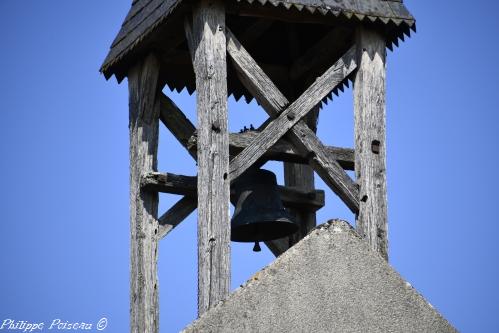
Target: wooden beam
x,y
144,113
254,78
208,47
273,102
326,167
370,147
291,197
283,150
169,183
293,114
175,120
302,176
169,220
298,198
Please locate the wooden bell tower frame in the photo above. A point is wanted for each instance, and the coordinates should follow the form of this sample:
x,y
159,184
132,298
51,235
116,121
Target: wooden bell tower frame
x,y
288,135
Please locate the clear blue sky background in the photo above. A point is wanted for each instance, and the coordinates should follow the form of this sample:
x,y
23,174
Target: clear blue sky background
x,y
64,167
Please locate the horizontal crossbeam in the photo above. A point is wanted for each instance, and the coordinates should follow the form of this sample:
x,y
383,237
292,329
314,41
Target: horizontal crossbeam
x,y
169,183
283,150
187,185
185,132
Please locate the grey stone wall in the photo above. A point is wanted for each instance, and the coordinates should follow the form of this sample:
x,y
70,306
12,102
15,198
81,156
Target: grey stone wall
x,y
328,282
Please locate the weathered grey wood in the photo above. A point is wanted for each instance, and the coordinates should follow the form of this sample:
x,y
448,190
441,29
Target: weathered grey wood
x,y
299,176
208,46
254,78
292,197
326,167
175,120
144,113
273,102
302,177
370,147
169,183
294,113
169,220
283,150
299,198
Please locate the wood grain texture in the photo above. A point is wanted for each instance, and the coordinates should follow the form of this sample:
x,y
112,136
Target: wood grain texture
x,y
181,210
254,78
169,183
274,102
302,177
292,197
370,147
293,114
327,168
143,126
178,124
283,150
208,46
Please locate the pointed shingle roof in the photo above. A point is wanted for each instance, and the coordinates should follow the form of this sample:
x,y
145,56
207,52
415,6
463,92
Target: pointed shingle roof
x,y
145,16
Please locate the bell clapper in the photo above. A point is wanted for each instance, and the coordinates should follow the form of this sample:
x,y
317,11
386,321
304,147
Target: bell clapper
x,y
257,247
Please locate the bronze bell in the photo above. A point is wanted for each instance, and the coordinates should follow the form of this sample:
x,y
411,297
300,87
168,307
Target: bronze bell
x,y
259,213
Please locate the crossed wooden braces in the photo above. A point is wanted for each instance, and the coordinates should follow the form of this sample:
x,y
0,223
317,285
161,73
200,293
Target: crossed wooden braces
x,y
302,144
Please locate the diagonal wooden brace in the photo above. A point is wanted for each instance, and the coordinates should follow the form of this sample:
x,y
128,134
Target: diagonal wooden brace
x,y
169,220
289,119
175,120
184,131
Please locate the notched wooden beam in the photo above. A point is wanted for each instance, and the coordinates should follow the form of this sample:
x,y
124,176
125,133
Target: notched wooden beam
x,y
187,185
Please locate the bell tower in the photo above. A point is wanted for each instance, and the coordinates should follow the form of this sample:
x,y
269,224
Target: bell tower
x,y
288,55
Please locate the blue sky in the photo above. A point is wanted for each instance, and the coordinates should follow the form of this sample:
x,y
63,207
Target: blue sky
x,y
64,167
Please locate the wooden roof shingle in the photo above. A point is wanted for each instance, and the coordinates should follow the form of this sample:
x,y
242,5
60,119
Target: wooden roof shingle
x,y
147,15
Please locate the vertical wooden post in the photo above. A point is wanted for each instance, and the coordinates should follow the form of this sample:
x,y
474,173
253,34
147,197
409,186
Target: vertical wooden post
x,y
370,147
210,67
143,125
302,177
